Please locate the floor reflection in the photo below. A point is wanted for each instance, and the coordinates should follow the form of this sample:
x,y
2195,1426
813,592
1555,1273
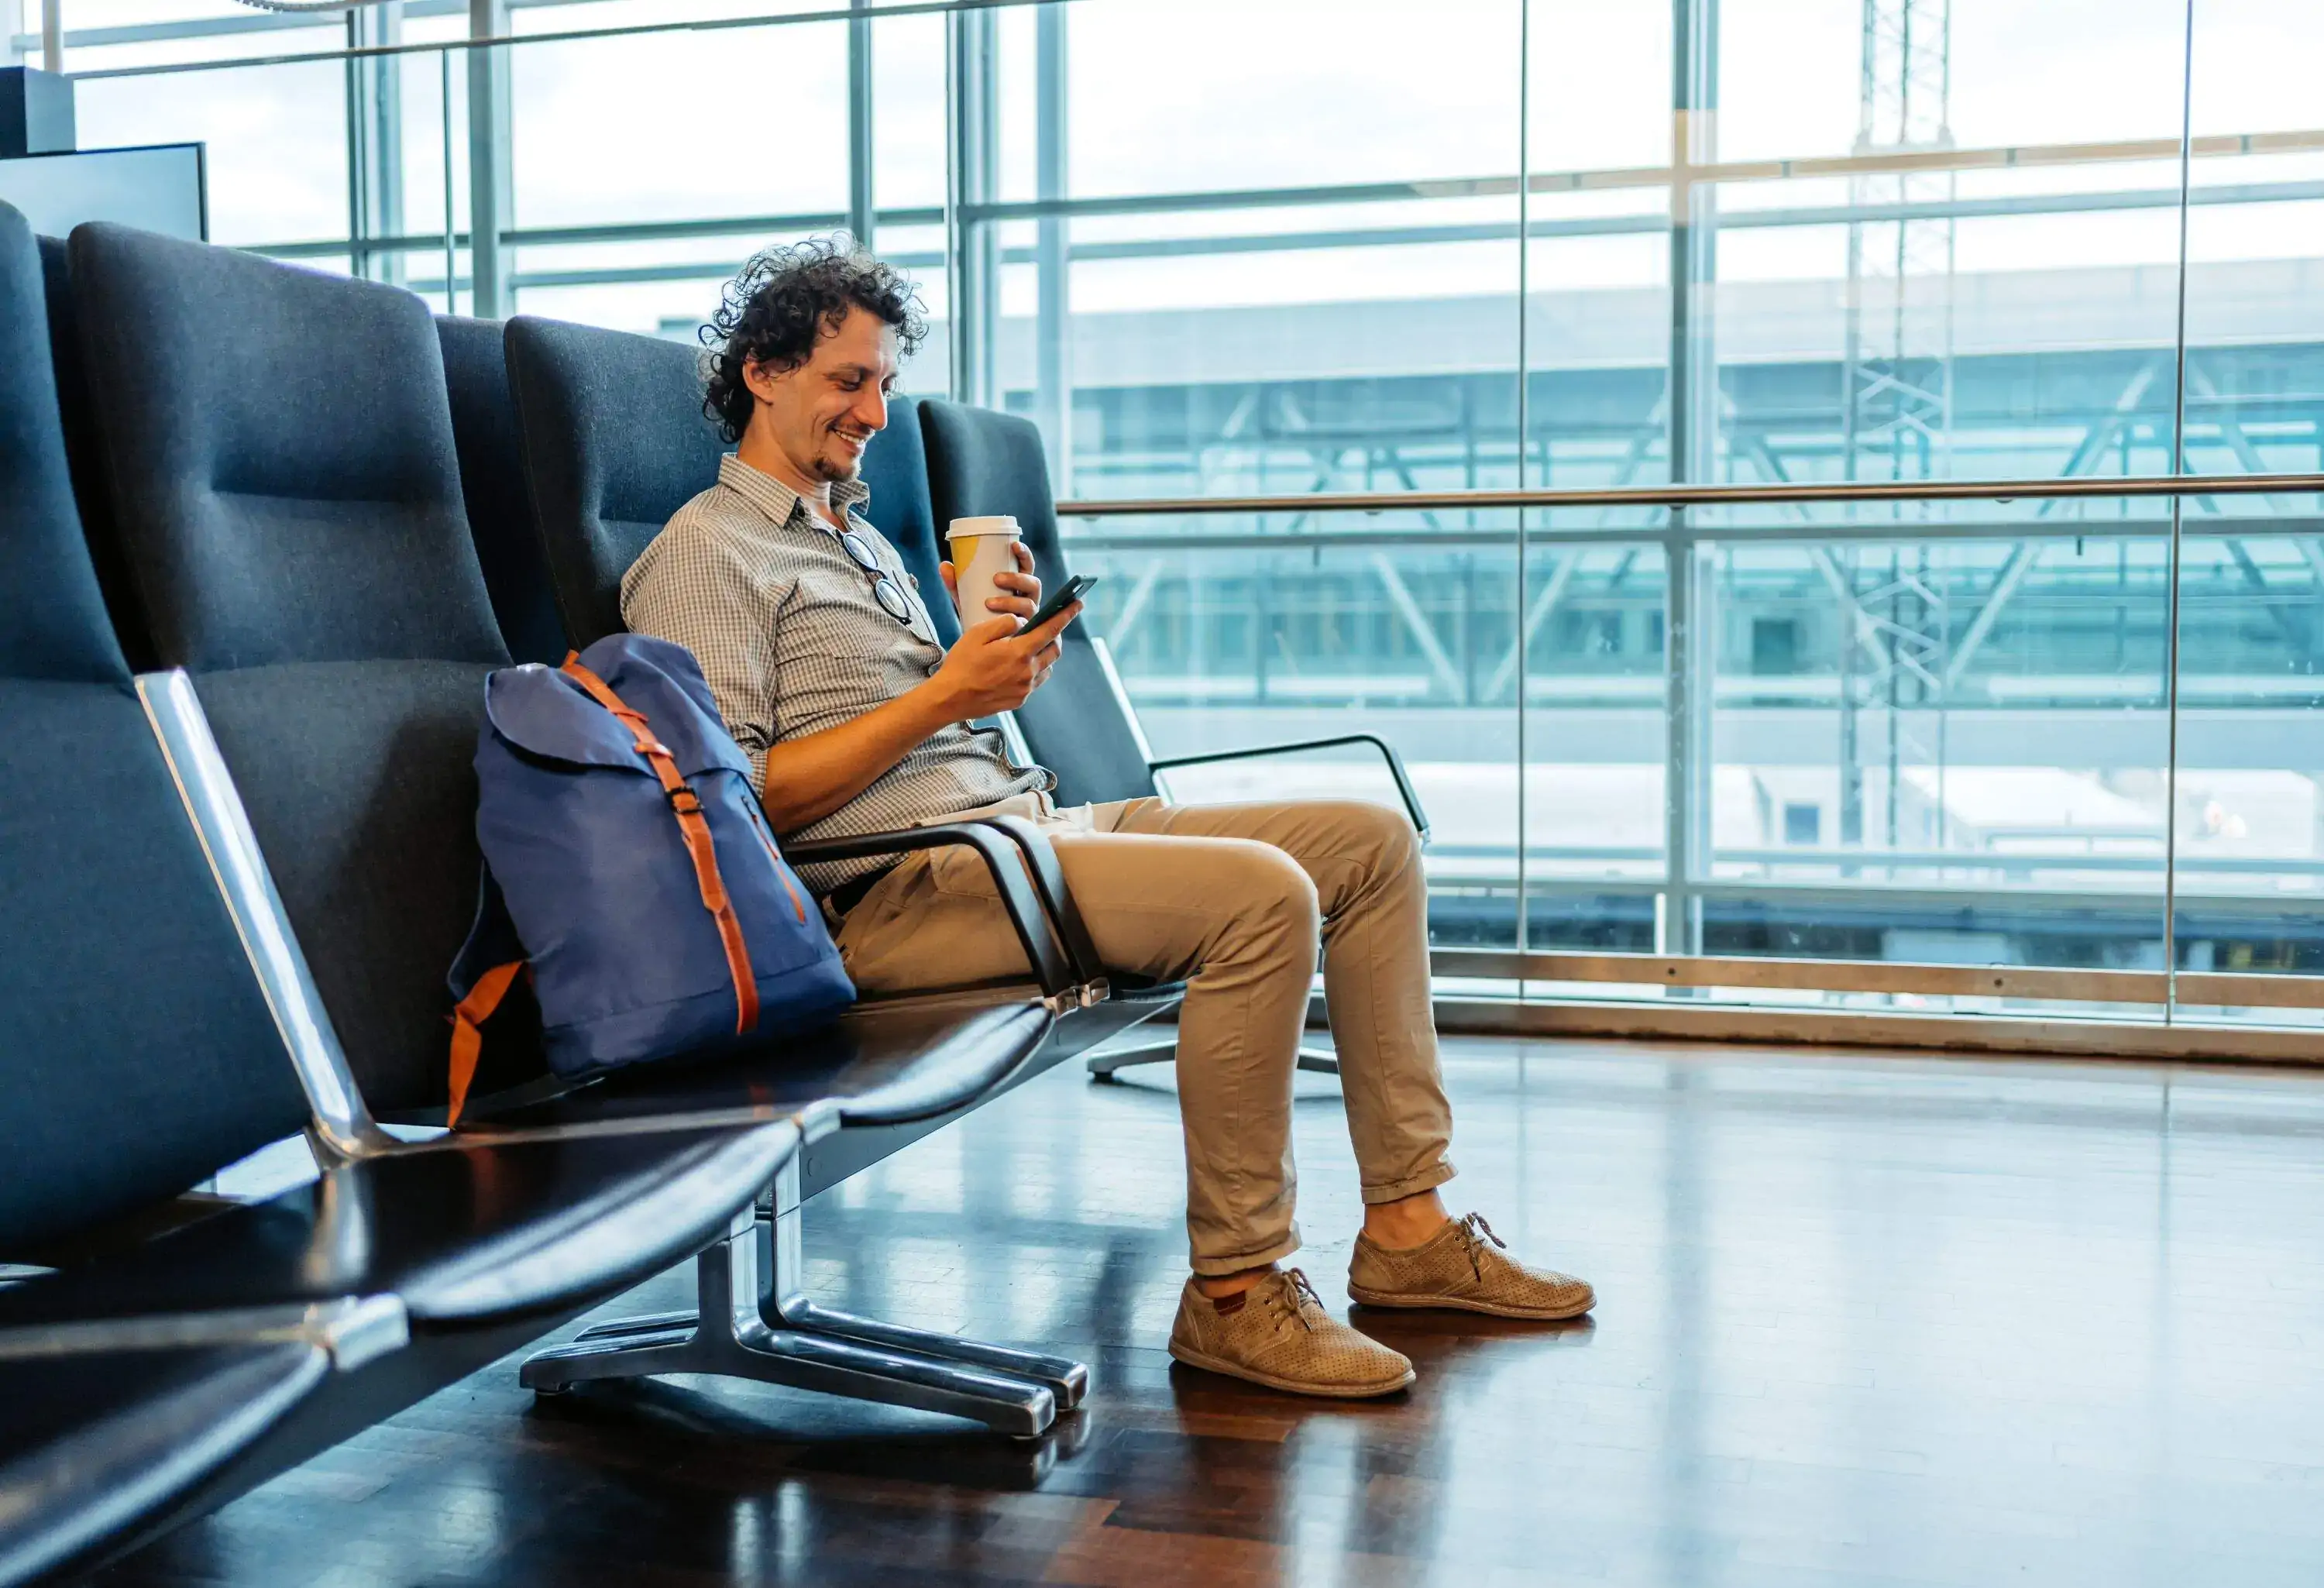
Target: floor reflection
x,y
1865,1320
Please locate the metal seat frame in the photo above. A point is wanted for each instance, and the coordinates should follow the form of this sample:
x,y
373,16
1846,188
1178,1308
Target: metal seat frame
x,y
753,1321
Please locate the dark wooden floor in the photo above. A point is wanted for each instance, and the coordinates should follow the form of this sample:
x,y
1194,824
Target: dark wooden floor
x,y
1863,1321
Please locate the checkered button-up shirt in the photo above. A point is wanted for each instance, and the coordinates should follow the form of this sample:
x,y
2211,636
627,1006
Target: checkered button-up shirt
x,y
792,641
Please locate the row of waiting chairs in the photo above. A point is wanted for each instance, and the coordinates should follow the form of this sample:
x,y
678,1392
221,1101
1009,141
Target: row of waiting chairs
x,y
256,557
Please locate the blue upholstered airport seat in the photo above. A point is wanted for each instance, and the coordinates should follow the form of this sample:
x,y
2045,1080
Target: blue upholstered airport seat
x,y
90,493
98,1446
142,1057
615,442
896,468
980,462
139,1054
491,480
352,737
326,601
288,496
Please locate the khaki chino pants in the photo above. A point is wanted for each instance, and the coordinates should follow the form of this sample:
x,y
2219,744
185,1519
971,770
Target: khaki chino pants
x,y
1231,899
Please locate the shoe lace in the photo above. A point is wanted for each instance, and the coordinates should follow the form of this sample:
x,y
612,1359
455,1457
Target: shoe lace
x,y
1292,1297
1474,1233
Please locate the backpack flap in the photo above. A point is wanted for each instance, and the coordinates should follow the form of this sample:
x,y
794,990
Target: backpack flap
x,y
545,712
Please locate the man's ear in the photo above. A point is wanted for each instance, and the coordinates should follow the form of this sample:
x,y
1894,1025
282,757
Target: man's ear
x,y
762,379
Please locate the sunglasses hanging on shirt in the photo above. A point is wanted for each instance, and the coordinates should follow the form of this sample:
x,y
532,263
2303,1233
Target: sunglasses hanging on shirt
x,y
889,593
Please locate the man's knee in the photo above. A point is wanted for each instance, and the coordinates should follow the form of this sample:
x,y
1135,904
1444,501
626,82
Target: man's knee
x,y
1384,838
1269,891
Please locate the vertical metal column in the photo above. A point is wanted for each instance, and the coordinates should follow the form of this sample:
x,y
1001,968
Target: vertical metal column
x,y
1849,626
1053,404
451,223
955,355
53,35
2176,612
973,244
862,219
1690,625
376,141
1521,656
491,186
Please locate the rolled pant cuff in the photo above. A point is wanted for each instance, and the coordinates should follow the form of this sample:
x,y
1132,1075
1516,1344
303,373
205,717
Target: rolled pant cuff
x,y
1427,1179
1213,1268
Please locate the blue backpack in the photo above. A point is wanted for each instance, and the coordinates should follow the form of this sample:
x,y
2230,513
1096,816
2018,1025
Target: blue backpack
x,y
629,868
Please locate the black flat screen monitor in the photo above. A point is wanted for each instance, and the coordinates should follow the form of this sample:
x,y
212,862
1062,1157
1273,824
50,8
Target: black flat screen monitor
x,y
160,188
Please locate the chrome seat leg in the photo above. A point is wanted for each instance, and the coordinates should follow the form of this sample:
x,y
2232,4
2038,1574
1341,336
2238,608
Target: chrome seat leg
x,y
1103,1065
728,1337
753,1323
787,1307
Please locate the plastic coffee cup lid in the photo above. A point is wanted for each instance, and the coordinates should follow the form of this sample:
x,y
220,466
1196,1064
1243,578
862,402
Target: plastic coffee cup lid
x,y
963,528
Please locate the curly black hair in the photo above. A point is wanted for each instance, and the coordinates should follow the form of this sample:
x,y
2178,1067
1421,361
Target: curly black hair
x,y
789,298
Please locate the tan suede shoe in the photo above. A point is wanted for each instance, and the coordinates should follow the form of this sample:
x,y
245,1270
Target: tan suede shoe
x,y
1277,1333
1463,1267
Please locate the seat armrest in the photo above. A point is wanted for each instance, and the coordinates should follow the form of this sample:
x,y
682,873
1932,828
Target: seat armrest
x,y
1057,898
1388,752
998,850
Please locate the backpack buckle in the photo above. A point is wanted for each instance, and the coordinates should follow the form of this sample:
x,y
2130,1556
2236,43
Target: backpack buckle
x,y
685,791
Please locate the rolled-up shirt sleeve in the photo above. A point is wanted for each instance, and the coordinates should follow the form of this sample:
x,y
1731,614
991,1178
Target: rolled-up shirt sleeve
x,y
695,589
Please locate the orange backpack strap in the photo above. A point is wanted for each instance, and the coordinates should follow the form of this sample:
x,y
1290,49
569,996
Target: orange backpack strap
x,y
467,1040
687,808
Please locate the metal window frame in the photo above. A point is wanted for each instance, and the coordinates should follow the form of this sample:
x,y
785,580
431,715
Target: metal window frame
x,y
1682,494
99,38
971,217
2008,1036
2207,989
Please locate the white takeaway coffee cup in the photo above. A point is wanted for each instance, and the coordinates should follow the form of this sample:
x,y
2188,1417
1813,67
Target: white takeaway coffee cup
x,y
981,548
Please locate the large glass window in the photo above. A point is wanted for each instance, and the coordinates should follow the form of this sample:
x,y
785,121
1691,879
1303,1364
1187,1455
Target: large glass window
x,y
1943,747
1266,249
2248,794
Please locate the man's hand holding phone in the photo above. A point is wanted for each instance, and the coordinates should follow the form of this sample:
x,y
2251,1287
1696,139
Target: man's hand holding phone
x,y
996,665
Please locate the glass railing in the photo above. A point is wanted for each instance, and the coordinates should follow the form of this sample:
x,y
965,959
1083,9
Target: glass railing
x,y
1831,524
1878,753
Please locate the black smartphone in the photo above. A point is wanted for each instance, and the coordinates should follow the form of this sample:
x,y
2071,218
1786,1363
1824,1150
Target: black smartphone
x,y
1071,591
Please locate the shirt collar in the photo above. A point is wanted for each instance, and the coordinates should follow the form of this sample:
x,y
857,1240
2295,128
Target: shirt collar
x,y
779,502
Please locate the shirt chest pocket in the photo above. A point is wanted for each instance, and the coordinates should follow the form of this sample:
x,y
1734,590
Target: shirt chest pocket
x,y
837,615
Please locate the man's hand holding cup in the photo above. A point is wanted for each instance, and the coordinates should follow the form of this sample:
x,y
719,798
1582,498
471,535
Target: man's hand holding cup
x,y
992,667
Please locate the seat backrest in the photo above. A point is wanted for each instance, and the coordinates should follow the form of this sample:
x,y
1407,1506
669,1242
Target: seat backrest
x,y
138,1056
289,502
89,490
491,482
896,468
284,463
614,443
982,463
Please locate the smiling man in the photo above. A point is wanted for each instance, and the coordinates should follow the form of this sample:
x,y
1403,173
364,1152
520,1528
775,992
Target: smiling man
x,y
812,636
828,672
